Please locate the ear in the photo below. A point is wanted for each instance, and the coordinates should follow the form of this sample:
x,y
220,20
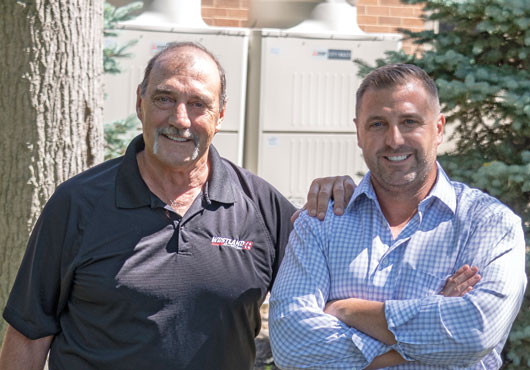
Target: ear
x,y
359,139
220,119
440,124
139,99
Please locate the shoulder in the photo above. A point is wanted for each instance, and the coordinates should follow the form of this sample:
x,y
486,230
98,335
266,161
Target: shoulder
x,y
88,186
477,201
480,211
256,188
100,174
323,228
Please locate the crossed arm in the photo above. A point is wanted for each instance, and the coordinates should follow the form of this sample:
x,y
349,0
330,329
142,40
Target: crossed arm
x,y
305,337
308,331
369,316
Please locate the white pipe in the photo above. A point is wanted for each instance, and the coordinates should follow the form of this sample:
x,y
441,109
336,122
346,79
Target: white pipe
x,y
339,16
184,13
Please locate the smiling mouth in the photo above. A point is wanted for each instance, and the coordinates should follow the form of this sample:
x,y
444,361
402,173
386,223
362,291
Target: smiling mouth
x,y
397,158
179,139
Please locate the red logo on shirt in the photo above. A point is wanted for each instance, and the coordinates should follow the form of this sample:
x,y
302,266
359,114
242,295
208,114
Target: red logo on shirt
x,y
233,243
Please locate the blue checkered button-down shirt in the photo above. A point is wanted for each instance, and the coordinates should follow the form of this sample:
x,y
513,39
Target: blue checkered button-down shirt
x,y
355,255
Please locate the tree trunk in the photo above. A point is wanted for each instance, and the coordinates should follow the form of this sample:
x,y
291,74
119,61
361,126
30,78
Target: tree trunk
x,y
50,111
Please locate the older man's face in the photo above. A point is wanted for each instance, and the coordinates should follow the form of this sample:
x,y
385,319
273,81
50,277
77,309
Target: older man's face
x,y
180,110
399,130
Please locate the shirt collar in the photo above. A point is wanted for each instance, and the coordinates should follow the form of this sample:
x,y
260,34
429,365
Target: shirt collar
x,y
132,191
442,190
219,187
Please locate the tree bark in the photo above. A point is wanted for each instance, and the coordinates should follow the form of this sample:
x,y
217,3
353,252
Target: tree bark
x,y
50,111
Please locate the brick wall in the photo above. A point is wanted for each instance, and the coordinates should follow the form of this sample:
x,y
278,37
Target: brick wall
x,y
388,16
372,15
229,13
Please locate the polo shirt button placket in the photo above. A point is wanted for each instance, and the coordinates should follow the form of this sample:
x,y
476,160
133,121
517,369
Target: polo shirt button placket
x,y
183,234
183,245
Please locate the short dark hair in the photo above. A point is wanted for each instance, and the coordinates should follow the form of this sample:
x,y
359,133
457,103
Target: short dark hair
x,y
172,46
394,75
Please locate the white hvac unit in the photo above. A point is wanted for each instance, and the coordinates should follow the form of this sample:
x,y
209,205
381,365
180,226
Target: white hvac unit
x,y
169,21
301,98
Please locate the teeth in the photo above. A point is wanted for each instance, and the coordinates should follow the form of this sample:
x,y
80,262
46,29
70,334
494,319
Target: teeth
x,y
397,158
176,138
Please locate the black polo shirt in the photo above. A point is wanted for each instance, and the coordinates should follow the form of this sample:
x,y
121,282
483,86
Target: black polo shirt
x,y
124,283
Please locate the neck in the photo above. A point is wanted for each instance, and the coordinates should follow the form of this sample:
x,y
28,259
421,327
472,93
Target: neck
x,y
176,186
399,204
398,212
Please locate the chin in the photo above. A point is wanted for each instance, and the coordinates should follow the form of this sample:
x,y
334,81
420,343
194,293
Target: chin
x,y
172,161
401,179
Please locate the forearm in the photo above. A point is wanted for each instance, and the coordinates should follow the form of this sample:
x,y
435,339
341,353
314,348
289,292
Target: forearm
x,y
449,331
363,315
22,353
369,318
430,345
306,338
391,358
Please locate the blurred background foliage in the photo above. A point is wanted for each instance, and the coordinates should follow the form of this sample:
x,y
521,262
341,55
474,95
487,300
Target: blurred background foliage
x,y
117,134
479,59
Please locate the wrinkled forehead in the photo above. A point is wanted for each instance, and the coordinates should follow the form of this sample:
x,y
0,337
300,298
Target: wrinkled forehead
x,y
189,62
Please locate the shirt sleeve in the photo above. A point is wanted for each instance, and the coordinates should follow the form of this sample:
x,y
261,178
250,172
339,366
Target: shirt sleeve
x,y
302,335
35,300
461,330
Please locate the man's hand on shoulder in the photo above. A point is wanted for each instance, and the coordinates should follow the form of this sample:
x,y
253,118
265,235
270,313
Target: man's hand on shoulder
x,y
338,188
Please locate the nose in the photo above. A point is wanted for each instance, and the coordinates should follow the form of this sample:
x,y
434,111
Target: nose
x,y
393,137
179,116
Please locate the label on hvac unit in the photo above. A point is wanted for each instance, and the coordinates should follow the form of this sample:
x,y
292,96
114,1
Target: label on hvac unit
x,y
321,54
157,47
339,54
335,54
273,141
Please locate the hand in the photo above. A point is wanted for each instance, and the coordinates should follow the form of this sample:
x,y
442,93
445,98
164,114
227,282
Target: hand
x,y
339,188
462,282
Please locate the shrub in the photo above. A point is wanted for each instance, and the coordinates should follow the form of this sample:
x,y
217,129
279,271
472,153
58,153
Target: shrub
x,y
118,133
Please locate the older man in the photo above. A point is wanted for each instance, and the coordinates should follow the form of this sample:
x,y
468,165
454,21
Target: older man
x,y
366,289
159,259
